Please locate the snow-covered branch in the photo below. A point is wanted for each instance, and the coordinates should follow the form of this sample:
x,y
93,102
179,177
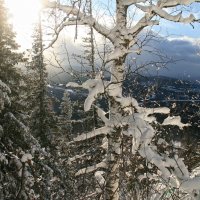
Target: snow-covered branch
x,y
4,91
91,168
94,86
174,18
100,131
172,3
76,157
102,115
144,22
4,87
131,2
163,14
174,120
80,18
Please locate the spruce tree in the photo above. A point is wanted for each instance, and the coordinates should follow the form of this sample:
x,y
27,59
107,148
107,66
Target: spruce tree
x,y
15,139
42,117
9,58
66,114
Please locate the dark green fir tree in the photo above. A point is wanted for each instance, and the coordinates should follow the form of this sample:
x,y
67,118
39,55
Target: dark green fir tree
x,y
42,116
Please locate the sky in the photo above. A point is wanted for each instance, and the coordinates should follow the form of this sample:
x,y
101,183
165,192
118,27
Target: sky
x,y
181,43
23,15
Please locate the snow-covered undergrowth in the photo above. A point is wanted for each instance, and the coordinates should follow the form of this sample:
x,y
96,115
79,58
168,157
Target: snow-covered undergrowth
x,y
4,91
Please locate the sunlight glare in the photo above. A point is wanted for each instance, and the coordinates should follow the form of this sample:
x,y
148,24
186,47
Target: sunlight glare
x,y
24,13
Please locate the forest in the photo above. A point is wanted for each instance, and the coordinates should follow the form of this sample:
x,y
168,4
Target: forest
x,y
103,125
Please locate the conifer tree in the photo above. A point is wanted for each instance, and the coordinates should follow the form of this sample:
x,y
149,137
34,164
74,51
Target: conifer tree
x,y
28,171
9,57
42,117
15,139
66,114
87,59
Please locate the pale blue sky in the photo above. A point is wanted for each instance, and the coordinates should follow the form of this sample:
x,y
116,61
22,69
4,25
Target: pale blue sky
x,y
24,14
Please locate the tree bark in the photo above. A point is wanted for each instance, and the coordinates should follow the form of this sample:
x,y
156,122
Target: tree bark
x,y
112,187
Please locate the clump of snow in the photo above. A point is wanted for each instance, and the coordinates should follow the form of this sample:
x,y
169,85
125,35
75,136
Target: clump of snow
x,y
4,91
72,84
104,143
128,104
162,141
174,120
70,91
91,168
26,157
94,86
4,87
70,160
196,172
49,86
3,158
102,114
99,177
100,131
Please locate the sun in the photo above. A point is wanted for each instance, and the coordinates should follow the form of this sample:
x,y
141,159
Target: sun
x,y
24,14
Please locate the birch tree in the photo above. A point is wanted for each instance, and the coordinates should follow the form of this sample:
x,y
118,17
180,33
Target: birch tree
x,y
126,117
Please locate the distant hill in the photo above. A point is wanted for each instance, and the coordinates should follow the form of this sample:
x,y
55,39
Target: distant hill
x,y
155,88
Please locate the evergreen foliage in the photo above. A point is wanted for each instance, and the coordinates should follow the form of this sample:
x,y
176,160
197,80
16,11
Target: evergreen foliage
x,y
42,116
9,58
66,114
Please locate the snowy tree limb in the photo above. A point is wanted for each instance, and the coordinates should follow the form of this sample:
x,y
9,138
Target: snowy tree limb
x,y
163,14
172,3
143,22
94,86
76,157
100,131
131,2
102,114
91,168
174,120
81,19
175,18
